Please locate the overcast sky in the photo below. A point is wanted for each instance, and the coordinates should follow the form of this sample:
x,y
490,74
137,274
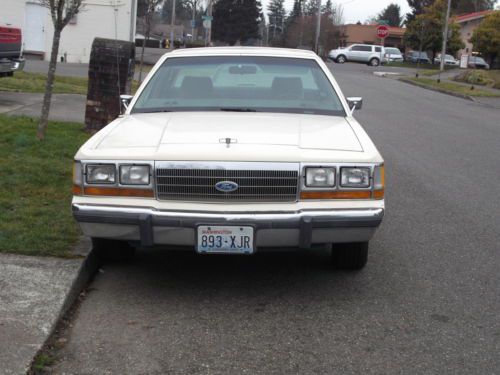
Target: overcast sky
x,y
355,10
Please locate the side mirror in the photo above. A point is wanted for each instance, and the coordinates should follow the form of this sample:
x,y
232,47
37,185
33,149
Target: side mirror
x,y
125,100
355,103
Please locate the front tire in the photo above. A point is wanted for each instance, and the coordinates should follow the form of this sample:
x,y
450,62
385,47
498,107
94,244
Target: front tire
x,y
350,256
374,62
112,250
341,59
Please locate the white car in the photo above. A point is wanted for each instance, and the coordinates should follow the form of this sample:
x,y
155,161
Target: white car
x,y
233,150
448,60
365,53
393,54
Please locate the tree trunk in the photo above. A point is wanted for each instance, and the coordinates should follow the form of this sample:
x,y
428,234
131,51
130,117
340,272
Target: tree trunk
x,y
44,118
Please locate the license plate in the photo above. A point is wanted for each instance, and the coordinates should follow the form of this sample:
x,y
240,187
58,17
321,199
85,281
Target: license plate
x,y
225,239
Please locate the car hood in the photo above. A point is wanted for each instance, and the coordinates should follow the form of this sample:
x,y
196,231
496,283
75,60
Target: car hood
x,y
159,130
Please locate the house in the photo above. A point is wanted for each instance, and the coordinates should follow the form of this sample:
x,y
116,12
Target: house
x,y
468,23
113,19
367,34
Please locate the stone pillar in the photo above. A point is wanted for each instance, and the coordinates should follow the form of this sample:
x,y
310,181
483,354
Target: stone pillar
x,y
111,71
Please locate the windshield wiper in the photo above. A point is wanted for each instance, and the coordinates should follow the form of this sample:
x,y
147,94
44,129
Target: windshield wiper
x,y
158,110
236,109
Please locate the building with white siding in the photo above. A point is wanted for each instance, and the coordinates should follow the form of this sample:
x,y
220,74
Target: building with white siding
x,y
113,19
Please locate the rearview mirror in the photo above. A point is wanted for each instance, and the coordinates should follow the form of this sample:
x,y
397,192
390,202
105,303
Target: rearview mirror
x,y
355,102
243,69
125,100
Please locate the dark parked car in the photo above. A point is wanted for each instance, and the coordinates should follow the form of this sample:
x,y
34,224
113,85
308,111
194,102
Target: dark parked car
x,y
477,62
414,57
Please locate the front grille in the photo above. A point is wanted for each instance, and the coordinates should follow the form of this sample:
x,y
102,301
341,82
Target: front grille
x,y
253,185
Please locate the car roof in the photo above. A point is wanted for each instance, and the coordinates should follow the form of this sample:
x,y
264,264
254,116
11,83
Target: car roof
x,y
235,51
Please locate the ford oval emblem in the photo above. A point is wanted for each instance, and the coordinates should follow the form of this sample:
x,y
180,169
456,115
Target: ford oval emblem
x,y
226,186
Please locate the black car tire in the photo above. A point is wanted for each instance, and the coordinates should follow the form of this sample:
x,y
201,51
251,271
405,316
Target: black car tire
x,y
112,250
374,62
341,59
350,256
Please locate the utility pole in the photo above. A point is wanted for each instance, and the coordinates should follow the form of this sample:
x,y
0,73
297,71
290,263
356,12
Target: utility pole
x,y
421,46
445,39
209,11
318,29
193,20
172,25
301,23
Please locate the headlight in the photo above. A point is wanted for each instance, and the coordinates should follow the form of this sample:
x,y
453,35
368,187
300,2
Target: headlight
x,y
134,174
101,174
320,177
355,177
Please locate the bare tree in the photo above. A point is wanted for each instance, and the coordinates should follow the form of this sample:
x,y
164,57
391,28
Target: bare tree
x,y
61,11
338,15
149,8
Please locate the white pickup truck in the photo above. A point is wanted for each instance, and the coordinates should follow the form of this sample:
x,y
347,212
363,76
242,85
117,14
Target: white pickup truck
x,y
233,150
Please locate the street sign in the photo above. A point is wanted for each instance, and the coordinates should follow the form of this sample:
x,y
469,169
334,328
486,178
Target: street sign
x,y
207,24
193,23
382,31
207,18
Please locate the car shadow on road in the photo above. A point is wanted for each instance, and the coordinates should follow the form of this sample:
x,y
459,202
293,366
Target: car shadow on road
x,y
182,273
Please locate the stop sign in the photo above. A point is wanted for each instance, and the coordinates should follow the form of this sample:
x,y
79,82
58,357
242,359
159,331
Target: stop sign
x,y
382,31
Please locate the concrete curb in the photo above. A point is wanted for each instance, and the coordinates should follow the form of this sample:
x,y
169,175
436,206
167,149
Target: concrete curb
x,y
86,271
462,96
388,74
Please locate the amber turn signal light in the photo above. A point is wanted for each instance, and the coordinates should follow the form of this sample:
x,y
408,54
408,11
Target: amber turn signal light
x,y
338,194
118,192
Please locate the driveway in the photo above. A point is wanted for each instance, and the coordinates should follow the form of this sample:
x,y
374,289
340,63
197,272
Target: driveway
x,y
64,107
428,301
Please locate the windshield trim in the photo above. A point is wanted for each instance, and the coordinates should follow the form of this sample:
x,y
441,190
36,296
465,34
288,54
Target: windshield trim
x,y
301,111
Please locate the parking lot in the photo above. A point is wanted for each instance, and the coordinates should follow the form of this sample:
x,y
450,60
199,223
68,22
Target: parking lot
x,y
427,302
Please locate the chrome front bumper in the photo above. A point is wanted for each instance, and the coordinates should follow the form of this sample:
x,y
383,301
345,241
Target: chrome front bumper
x,y
7,66
273,229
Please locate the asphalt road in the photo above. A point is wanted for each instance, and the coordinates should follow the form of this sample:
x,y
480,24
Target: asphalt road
x,y
428,301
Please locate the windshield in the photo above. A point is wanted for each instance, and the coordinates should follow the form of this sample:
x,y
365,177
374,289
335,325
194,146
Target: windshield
x,y
478,60
240,83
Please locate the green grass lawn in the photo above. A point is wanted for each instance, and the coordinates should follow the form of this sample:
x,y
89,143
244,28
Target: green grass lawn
x,y
490,78
451,87
35,187
423,67
35,83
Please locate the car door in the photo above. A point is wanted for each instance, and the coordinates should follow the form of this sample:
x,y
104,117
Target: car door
x,y
365,53
354,53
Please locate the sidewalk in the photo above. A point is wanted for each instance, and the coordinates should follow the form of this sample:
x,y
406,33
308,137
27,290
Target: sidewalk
x,y
64,107
34,293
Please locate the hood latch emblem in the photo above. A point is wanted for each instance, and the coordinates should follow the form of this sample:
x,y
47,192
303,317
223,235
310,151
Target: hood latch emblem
x,y
228,141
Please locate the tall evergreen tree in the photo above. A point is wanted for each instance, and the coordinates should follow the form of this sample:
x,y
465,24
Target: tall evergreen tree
x,y
311,8
327,9
391,14
427,29
236,20
417,7
470,6
276,14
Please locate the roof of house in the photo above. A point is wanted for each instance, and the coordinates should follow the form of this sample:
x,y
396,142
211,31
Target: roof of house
x,y
392,29
472,16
